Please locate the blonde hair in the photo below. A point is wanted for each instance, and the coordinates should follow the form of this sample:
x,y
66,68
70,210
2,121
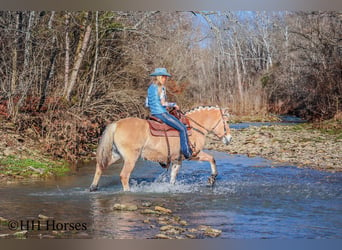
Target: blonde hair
x,y
157,80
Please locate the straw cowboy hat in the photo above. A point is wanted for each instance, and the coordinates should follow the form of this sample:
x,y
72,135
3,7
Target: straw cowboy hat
x,y
160,72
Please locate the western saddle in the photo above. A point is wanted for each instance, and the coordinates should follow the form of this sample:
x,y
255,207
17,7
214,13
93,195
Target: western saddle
x,y
159,128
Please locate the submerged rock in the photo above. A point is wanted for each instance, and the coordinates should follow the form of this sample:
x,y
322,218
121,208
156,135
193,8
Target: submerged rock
x,y
162,210
146,204
149,211
212,232
21,234
124,207
209,231
190,236
44,217
183,223
163,236
3,220
165,228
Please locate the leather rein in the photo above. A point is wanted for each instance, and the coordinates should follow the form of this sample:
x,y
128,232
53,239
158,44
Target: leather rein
x,y
211,130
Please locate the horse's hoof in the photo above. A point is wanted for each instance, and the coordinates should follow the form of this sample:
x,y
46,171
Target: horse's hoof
x,y
163,165
93,188
211,180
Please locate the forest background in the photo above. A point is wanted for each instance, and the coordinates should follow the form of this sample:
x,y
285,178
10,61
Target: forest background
x,y
65,75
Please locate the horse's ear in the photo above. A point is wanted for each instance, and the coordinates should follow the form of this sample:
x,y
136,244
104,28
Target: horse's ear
x,y
225,112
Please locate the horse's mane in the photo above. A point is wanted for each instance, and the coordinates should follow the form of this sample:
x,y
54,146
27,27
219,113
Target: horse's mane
x,y
199,108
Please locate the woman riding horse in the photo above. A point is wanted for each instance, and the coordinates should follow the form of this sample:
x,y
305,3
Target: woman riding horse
x,y
157,104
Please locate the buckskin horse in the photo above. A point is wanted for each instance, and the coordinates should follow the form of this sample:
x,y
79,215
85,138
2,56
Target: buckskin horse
x,y
131,138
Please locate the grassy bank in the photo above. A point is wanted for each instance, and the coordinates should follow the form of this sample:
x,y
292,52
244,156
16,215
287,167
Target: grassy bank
x,y
14,166
24,156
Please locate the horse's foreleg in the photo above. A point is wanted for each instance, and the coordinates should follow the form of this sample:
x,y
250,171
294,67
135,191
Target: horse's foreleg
x,y
174,172
207,157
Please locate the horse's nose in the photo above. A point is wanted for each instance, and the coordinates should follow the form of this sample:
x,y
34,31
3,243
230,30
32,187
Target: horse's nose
x,y
227,139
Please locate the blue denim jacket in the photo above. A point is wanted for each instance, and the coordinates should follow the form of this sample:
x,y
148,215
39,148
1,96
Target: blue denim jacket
x,y
153,100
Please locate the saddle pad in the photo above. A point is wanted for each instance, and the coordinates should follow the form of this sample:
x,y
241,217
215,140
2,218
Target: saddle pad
x,y
158,129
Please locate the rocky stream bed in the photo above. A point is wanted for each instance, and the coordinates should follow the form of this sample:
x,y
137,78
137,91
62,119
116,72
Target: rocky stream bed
x,y
299,145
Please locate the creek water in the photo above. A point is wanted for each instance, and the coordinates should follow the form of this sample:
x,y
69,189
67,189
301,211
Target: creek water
x,y
251,199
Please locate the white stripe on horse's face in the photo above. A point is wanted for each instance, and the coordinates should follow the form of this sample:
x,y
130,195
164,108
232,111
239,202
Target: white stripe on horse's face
x,y
227,139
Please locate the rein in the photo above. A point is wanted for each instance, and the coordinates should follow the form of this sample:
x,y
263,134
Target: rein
x,y
207,130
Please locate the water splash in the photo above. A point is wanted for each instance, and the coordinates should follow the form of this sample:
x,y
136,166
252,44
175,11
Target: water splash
x,y
162,185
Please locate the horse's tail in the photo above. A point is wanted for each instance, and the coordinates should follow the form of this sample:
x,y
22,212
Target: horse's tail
x,y
106,147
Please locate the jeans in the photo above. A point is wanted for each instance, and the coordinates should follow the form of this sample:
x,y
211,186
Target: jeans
x,y
183,134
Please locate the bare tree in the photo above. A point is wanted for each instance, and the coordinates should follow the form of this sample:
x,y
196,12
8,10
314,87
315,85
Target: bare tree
x,y
81,49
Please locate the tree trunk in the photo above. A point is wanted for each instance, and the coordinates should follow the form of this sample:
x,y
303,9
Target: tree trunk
x,y
238,74
92,81
23,80
67,53
50,70
77,64
11,105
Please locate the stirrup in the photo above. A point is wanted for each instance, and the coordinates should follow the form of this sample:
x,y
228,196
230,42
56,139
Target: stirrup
x,y
194,156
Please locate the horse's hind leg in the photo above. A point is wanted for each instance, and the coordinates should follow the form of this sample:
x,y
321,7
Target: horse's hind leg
x,y
130,159
126,173
98,172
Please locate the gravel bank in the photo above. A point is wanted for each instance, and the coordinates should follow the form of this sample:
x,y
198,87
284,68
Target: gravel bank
x,y
297,145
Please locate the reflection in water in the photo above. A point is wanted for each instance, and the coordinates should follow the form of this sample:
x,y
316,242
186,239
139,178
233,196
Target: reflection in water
x,y
111,224
251,199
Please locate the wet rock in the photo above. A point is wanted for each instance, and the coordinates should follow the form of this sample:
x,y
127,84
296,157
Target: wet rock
x,y
176,218
183,223
44,217
164,221
58,233
146,204
209,231
213,232
173,231
3,220
163,236
149,211
192,230
169,229
21,234
166,228
147,221
162,210
47,236
124,207
190,236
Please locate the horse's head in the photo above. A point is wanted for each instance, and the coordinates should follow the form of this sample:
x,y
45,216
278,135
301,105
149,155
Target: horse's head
x,y
211,119
222,129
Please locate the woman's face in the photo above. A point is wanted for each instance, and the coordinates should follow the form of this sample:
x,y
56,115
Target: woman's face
x,y
163,79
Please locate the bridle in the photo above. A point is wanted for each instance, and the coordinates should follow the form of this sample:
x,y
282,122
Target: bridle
x,y
210,130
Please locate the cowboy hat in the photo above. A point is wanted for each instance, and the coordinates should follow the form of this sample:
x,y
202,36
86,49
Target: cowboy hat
x,y
160,72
